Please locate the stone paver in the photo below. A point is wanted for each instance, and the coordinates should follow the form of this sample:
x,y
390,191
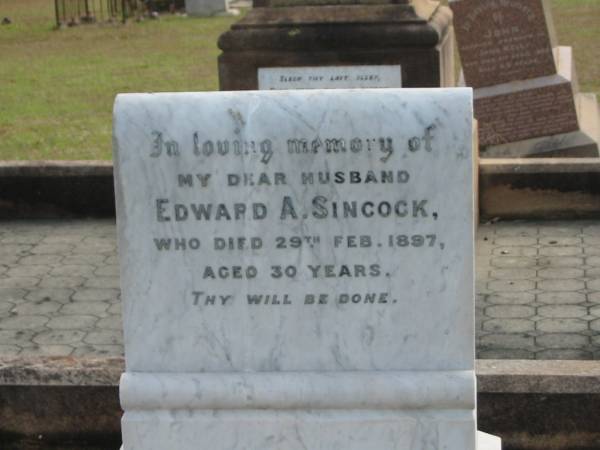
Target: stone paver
x,y
538,290
542,293
57,286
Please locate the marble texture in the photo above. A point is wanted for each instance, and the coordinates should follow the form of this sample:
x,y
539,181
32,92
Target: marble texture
x,y
388,410
531,108
488,442
300,430
330,77
299,390
370,338
582,143
168,330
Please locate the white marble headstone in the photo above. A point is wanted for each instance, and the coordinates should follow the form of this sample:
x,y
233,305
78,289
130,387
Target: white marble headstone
x,y
330,77
297,269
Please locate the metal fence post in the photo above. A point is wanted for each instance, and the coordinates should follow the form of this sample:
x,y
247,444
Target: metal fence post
x,y
57,13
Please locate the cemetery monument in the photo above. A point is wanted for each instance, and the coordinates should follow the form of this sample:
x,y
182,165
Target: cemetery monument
x,y
527,99
297,270
414,34
203,8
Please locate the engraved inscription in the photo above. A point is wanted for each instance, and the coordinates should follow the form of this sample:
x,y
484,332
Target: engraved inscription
x,y
287,208
204,147
526,114
502,41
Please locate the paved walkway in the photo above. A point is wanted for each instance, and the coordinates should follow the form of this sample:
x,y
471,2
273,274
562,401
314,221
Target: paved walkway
x,y
538,288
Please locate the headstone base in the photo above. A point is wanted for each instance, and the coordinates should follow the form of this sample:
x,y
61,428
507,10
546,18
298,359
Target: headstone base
x,y
540,117
383,359
484,442
266,430
298,410
339,35
488,442
584,143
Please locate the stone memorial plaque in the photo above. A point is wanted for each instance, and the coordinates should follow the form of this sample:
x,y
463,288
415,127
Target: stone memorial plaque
x,y
526,114
526,96
297,269
502,40
330,77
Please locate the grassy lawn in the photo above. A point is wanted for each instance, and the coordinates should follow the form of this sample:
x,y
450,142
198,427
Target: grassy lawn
x,y
57,86
577,24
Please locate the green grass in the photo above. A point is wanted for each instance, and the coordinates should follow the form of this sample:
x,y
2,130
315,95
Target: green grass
x,y
57,86
577,24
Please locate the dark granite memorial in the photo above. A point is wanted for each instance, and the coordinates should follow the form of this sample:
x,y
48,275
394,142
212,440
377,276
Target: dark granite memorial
x,y
417,35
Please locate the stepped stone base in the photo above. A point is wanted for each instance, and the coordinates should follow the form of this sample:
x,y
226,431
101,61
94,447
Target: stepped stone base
x,y
575,144
488,442
484,442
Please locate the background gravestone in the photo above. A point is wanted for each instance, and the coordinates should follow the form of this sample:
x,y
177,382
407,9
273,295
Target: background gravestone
x,y
203,8
416,35
277,294
526,94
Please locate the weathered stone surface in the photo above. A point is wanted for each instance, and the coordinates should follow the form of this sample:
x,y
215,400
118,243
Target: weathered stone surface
x,y
581,143
526,93
509,325
304,110
281,309
529,402
533,377
549,188
503,41
526,114
59,399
